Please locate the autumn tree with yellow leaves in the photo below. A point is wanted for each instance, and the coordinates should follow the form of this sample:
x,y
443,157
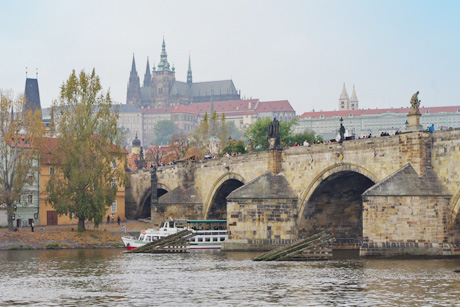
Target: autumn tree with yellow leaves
x,y
21,134
88,152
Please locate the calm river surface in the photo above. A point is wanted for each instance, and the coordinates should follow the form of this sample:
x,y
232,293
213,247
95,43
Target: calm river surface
x,y
110,277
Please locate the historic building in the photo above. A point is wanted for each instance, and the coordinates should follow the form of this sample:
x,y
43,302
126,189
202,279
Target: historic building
x,y
160,89
346,103
374,121
141,121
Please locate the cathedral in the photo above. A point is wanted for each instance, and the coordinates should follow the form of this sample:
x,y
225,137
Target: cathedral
x,y
160,88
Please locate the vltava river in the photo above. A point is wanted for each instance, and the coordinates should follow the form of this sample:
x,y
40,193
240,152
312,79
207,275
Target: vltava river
x,y
110,277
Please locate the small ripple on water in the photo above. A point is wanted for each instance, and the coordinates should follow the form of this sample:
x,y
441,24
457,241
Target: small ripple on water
x,y
109,277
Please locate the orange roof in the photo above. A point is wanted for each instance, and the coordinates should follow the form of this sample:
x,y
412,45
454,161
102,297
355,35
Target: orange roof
x,y
326,114
270,106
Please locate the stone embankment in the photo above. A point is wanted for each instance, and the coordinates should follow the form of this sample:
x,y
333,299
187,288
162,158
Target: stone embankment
x,y
67,236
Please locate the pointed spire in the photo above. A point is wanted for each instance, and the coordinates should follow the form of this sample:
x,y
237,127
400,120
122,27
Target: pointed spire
x,y
163,65
353,95
147,76
344,94
133,66
189,72
133,95
354,100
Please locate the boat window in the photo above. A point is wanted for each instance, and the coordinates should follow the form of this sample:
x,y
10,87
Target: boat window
x,y
208,239
141,238
162,224
214,239
149,238
171,224
200,239
222,239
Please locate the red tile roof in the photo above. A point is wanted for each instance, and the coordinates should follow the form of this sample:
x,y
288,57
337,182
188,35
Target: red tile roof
x,y
233,107
279,105
326,114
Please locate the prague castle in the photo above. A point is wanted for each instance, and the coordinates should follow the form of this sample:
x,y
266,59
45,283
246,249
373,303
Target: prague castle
x,y
160,88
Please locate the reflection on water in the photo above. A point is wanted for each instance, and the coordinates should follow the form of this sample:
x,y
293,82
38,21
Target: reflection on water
x,y
109,277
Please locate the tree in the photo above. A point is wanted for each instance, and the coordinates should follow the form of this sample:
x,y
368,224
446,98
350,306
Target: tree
x,y
309,136
21,134
179,145
164,130
87,155
258,132
211,135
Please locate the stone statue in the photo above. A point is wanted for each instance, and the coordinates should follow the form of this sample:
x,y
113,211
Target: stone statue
x,y
342,132
274,134
414,103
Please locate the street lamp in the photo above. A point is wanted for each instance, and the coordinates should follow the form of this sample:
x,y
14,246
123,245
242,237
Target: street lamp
x,y
230,145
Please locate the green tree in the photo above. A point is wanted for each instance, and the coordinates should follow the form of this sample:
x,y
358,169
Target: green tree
x,y
164,130
306,135
20,142
212,131
258,132
234,146
87,155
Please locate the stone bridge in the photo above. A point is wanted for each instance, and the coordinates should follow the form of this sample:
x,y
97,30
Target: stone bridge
x,y
396,195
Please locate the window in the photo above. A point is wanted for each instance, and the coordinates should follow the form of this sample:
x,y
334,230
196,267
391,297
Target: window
x,y
113,184
351,114
30,199
51,170
114,206
427,111
114,163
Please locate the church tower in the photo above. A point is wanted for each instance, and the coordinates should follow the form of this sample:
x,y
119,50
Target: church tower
x,y
344,100
162,80
189,72
147,76
32,95
134,88
353,100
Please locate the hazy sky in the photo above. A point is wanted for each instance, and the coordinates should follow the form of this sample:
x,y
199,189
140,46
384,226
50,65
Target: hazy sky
x,y
302,51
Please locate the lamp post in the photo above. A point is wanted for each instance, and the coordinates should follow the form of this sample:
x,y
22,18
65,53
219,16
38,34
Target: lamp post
x,y
230,145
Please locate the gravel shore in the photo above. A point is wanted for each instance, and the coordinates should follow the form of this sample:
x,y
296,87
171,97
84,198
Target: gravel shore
x,y
66,236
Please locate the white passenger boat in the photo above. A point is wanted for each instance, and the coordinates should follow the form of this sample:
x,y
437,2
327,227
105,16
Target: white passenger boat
x,y
208,234
167,228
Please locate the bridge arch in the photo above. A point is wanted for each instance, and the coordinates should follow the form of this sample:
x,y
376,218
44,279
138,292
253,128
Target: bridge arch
x,y
144,208
223,186
332,201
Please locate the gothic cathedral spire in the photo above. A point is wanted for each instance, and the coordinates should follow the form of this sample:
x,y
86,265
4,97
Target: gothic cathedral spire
x,y
163,65
133,95
147,76
189,72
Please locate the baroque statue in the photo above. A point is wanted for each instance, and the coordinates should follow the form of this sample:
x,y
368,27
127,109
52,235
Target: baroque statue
x,y
414,103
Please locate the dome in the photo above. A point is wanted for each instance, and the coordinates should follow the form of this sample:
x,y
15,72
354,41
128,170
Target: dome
x,y
136,142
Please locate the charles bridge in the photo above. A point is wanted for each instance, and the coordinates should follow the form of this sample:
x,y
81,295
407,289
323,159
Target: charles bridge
x,y
388,196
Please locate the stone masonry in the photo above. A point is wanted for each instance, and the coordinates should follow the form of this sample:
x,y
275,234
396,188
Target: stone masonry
x,y
309,170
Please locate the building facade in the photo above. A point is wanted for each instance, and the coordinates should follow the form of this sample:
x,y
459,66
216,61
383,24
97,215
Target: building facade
x,y
141,121
160,89
375,121
346,103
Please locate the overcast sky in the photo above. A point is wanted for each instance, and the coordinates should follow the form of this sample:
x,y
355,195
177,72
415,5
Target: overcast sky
x,y
302,51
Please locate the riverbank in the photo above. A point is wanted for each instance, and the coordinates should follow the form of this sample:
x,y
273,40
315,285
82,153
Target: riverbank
x,y
67,236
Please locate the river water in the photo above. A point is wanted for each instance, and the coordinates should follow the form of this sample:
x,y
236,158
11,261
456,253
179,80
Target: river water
x,y
109,277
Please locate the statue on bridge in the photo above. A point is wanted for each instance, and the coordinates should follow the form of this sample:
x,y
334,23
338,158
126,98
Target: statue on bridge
x,y
341,131
274,134
415,103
